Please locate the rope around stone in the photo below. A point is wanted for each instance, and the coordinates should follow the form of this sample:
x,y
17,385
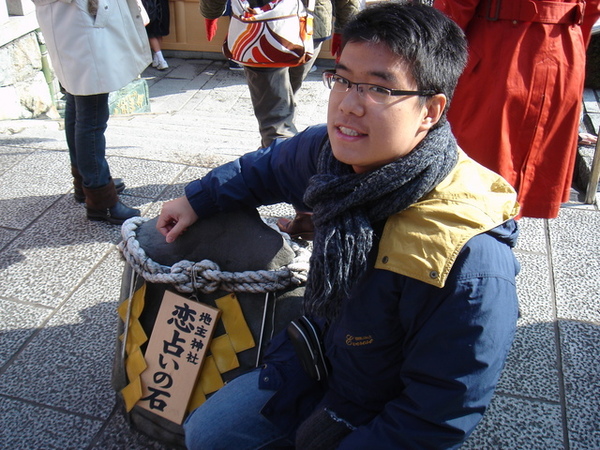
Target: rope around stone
x,y
205,276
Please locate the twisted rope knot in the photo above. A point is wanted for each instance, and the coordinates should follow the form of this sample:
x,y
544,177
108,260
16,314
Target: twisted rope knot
x,y
206,276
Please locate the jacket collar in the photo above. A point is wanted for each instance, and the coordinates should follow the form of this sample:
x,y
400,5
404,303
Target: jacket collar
x,y
423,241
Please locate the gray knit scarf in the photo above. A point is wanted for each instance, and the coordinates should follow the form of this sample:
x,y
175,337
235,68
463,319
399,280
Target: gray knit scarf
x,y
346,205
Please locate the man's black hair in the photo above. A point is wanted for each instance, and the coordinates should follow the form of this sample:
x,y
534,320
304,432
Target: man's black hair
x,y
432,45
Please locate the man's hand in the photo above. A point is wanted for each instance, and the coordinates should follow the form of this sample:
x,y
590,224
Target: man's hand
x,y
175,217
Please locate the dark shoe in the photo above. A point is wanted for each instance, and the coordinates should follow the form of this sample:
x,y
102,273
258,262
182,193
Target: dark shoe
x,y
115,215
80,196
301,227
235,66
103,204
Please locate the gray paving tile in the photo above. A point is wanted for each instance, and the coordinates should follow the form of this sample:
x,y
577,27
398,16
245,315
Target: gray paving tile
x,y
19,212
34,184
118,435
581,362
7,235
576,241
33,134
43,173
595,121
70,361
531,368
176,188
534,289
18,323
10,155
311,107
172,95
143,178
190,174
590,102
277,210
186,69
227,94
27,426
45,263
187,140
138,137
532,235
514,423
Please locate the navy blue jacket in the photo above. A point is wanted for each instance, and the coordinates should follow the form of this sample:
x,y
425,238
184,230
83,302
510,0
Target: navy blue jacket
x,y
421,341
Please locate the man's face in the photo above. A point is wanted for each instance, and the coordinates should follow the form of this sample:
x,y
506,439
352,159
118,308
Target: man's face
x,y
367,135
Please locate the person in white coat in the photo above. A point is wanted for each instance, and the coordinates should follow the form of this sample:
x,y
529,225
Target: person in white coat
x,y
96,47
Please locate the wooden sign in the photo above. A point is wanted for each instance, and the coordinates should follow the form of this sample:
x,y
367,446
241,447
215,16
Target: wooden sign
x,y
178,343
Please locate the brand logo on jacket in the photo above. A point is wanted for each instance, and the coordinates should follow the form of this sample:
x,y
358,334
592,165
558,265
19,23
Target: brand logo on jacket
x,y
357,341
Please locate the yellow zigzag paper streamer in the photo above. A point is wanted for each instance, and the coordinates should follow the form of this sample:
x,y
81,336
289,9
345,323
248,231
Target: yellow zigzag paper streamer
x,y
223,350
135,363
235,323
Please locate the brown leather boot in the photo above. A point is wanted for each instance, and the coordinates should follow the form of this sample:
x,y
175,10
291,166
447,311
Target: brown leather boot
x,y
78,185
103,204
301,227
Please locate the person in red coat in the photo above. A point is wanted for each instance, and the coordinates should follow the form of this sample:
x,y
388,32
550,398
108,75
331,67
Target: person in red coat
x,y
517,106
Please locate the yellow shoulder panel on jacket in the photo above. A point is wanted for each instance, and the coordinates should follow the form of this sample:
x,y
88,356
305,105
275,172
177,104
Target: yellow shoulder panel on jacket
x,y
423,241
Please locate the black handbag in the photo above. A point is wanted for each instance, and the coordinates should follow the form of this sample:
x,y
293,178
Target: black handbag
x,y
305,337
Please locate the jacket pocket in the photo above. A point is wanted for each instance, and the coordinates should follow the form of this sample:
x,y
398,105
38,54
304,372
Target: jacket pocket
x,y
105,10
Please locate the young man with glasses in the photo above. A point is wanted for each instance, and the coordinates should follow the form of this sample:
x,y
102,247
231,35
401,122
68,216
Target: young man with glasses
x,y
412,277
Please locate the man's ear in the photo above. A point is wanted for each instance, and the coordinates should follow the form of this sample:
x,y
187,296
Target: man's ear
x,y
434,108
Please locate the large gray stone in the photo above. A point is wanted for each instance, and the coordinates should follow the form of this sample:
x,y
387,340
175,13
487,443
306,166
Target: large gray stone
x,y
236,241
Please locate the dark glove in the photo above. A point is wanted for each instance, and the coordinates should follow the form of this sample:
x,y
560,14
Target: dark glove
x,y
321,432
211,28
336,43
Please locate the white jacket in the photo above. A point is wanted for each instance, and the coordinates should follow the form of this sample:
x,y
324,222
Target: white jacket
x,y
94,54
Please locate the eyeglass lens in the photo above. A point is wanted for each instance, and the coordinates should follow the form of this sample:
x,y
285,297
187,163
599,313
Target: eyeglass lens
x,y
337,83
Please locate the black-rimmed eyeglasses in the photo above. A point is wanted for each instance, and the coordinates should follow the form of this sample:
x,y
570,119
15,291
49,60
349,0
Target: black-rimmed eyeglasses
x,y
377,94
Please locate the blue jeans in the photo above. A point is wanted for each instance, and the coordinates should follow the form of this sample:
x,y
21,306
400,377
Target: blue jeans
x,y
231,419
86,119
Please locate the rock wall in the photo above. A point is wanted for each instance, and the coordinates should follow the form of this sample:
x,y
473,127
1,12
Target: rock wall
x,y
25,91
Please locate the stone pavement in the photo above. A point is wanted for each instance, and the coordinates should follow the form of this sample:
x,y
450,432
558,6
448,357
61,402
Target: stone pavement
x,y
60,275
